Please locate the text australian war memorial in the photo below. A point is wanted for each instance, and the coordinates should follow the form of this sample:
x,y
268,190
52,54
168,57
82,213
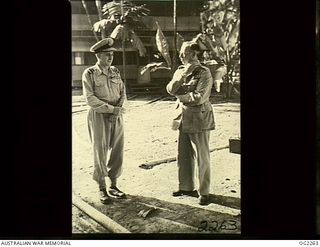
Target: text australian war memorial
x,y
160,15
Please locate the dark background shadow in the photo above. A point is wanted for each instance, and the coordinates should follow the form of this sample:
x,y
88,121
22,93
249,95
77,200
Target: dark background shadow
x,y
170,218
277,65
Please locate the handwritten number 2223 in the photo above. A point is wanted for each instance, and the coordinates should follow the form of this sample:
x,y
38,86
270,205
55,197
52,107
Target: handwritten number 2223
x,y
216,226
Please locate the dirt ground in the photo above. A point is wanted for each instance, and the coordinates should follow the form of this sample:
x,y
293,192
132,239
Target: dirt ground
x,y
148,137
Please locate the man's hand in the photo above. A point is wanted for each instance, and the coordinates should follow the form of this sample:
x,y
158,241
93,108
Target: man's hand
x,y
188,69
118,110
182,73
123,110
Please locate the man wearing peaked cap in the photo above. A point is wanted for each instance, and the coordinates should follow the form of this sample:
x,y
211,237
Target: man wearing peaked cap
x,y
104,92
191,85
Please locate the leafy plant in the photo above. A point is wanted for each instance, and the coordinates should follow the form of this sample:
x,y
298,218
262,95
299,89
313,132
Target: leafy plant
x,y
120,19
120,22
163,48
220,22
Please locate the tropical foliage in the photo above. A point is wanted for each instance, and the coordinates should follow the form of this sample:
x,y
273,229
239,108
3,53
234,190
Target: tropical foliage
x,y
119,22
163,48
220,22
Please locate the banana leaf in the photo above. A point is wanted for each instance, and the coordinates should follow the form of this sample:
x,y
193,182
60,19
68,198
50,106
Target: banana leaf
x,y
162,45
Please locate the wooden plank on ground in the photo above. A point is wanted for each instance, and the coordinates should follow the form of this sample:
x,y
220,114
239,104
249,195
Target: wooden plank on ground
x,y
99,217
151,164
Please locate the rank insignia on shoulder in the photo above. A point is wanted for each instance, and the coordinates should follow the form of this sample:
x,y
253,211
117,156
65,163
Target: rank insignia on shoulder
x,y
90,71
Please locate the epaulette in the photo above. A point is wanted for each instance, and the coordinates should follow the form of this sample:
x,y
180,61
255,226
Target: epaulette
x,y
91,70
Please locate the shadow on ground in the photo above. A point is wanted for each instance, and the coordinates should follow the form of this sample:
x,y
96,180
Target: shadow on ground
x,y
228,201
141,214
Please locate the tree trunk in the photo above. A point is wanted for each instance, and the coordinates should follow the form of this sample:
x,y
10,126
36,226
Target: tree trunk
x,y
89,19
124,61
174,55
98,4
123,52
228,81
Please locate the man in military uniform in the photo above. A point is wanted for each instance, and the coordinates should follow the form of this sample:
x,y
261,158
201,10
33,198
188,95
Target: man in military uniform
x,y
191,85
104,92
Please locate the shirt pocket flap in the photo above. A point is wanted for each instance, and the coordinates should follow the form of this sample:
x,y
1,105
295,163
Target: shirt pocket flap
x,y
115,79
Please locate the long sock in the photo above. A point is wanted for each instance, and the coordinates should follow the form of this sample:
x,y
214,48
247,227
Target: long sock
x,y
113,182
102,184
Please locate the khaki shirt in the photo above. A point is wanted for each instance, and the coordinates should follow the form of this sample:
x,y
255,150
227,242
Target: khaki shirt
x,y
103,88
200,80
196,109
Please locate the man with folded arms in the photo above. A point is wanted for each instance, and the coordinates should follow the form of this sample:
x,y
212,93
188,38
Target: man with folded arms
x,y
191,85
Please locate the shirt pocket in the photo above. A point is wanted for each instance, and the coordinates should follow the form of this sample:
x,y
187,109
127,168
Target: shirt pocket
x,y
116,79
100,86
115,85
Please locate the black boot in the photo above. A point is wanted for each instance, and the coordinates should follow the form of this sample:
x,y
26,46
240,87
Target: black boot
x,y
192,193
104,197
204,200
115,192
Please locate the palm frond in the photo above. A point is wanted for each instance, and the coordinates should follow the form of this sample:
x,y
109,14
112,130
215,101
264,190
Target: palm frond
x,y
130,10
111,9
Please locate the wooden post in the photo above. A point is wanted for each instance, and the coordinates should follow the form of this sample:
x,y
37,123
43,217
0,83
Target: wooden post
x,y
98,4
99,217
123,51
174,55
151,164
89,19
